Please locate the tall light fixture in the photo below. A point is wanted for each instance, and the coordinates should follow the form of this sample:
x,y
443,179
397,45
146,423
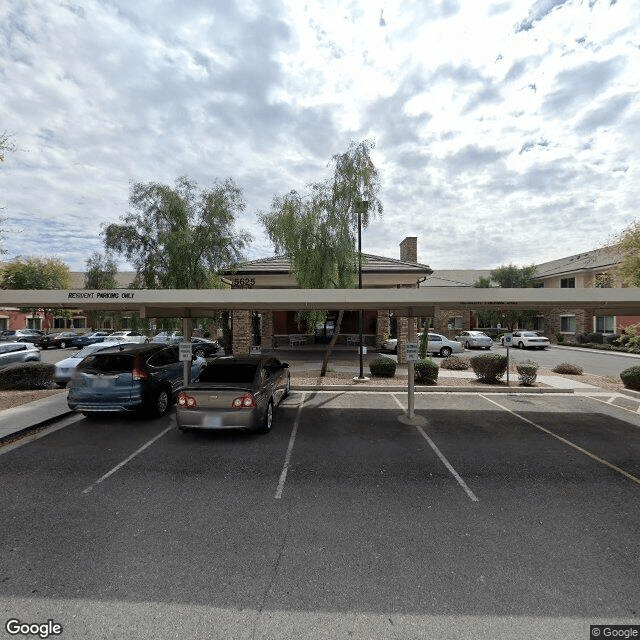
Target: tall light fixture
x,y
361,206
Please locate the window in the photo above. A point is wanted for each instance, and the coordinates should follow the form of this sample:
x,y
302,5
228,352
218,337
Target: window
x,y
605,324
568,324
567,283
454,323
126,322
79,323
4,324
538,323
34,323
59,323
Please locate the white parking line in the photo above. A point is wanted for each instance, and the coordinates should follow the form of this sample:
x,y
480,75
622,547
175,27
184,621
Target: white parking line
x,y
131,457
443,459
593,456
287,458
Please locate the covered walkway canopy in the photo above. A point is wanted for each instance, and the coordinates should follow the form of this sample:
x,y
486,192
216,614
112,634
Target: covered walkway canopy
x,y
193,303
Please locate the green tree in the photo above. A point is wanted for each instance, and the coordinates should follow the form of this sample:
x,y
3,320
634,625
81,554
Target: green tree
x,y
101,270
628,243
508,277
36,273
318,232
180,237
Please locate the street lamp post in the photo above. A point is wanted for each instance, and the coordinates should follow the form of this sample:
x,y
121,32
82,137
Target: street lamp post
x,y
361,207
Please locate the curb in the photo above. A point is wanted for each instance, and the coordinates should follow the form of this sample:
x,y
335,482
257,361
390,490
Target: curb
x,y
434,389
20,433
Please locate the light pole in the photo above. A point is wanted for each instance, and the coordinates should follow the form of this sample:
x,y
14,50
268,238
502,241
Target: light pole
x,y
361,207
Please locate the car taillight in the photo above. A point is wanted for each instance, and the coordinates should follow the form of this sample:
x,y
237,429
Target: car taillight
x,y
138,372
186,401
245,401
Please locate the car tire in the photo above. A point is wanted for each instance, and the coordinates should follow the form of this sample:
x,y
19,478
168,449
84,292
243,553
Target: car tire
x,y
445,352
199,353
287,388
267,421
395,350
63,345
161,403
466,345
520,345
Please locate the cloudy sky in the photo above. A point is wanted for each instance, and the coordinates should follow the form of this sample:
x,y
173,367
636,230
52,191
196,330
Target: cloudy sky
x,y
505,131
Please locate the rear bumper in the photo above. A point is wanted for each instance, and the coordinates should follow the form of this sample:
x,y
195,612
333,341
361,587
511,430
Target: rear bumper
x,y
209,421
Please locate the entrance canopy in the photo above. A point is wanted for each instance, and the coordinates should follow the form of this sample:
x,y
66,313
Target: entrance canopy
x,y
193,303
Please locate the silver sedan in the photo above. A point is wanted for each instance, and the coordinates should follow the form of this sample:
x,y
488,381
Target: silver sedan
x,y
475,339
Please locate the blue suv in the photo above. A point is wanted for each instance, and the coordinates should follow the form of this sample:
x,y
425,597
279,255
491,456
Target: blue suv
x,y
129,377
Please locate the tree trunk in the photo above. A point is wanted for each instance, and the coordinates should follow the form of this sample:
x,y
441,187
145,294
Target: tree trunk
x,y
327,355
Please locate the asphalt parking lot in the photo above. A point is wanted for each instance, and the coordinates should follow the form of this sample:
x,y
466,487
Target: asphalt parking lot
x,y
503,516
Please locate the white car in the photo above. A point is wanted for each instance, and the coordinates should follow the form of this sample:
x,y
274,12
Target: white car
x,y
438,345
129,336
167,337
65,368
477,339
526,339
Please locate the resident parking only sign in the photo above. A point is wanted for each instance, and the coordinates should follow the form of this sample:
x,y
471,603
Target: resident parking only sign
x,y
411,351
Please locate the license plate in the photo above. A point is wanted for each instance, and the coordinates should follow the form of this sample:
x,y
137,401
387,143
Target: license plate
x,y
214,422
100,383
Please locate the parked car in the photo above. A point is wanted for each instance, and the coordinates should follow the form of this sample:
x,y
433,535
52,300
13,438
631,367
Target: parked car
x,y
58,340
91,338
130,336
21,335
475,339
128,377
526,339
438,345
65,368
234,393
11,352
203,348
167,337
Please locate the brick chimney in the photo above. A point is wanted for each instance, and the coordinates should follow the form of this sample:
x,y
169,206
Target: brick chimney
x,y
409,249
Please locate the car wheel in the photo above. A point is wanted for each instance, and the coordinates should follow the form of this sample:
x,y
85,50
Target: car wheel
x,y
395,350
466,345
287,388
199,353
267,421
61,385
445,352
161,403
63,345
520,345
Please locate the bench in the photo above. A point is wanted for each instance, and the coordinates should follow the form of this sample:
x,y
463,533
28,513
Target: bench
x,y
297,341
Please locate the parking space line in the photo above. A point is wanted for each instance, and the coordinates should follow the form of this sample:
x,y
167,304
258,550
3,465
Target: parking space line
x,y
443,459
287,457
593,456
131,457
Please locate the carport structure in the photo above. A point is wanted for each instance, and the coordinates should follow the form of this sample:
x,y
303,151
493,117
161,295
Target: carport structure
x,y
404,303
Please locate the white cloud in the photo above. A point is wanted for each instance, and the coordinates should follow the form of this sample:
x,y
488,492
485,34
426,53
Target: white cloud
x,y
489,118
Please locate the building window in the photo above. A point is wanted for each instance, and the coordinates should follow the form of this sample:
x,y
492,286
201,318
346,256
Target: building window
x,y
59,323
4,324
34,323
79,323
567,283
538,323
568,324
605,324
126,322
455,323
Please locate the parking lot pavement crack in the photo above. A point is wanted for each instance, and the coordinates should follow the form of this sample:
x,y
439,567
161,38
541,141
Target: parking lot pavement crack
x,y
272,580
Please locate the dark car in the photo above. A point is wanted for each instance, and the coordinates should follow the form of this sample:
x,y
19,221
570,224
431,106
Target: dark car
x,y
203,348
90,338
58,340
129,377
22,335
234,393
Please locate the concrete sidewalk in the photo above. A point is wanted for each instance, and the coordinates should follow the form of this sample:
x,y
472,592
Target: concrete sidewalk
x,y
33,414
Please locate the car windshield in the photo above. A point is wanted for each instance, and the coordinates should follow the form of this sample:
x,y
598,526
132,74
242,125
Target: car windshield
x,y
107,363
529,334
238,372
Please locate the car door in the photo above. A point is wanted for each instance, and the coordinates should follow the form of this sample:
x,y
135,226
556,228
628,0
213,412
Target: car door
x,y
276,378
15,353
167,367
434,343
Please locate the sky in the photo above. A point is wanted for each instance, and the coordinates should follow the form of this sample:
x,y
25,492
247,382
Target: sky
x,y
505,131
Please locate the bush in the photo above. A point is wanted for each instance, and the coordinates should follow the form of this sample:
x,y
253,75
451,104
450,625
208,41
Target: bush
x,y
454,363
528,372
426,371
560,338
631,378
26,376
383,367
489,367
567,367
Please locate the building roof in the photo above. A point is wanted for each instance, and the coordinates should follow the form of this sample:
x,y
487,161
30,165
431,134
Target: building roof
x,y
370,264
603,258
455,277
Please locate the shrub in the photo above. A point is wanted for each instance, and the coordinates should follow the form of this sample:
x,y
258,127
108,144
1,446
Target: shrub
x,y
528,372
560,337
383,367
489,367
631,378
426,371
567,367
27,376
454,363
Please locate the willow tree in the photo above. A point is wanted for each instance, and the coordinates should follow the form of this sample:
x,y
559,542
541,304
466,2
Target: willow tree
x,y
317,231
